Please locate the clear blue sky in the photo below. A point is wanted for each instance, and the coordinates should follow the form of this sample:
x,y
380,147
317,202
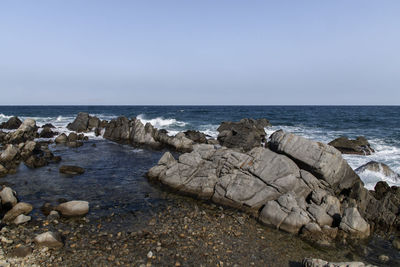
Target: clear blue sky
x,y
200,52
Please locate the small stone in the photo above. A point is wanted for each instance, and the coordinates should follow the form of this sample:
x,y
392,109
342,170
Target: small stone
x,y
384,258
21,252
149,255
73,208
21,219
49,239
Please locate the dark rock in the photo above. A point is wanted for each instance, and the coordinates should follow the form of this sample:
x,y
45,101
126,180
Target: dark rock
x,y
72,170
35,162
72,137
11,124
49,125
61,139
244,135
196,136
47,133
84,123
359,146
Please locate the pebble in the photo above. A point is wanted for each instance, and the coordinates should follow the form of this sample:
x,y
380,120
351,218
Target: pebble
x,y
383,258
150,255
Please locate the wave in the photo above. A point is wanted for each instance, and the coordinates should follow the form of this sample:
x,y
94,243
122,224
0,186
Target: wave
x,y
160,122
4,117
370,178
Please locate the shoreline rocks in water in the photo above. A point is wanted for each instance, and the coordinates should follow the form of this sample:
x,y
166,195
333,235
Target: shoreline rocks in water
x,y
359,146
298,185
73,208
12,123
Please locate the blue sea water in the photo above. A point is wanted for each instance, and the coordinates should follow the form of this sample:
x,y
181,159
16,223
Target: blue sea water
x,y
379,124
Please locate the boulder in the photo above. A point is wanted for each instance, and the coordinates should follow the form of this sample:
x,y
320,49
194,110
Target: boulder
x,y
309,262
47,133
196,136
359,146
61,139
49,239
9,154
243,135
80,124
72,170
8,197
18,209
353,223
323,161
35,161
11,124
26,131
73,208
49,125
21,219
379,168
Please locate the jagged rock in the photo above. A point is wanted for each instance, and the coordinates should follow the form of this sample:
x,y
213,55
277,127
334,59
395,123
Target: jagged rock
x,y
244,135
196,136
308,262
73,208
49,239
72,170
93,123
323,161
26,131
61,139
35,162
353,223
9,153
378,167
12,123
21,219
80,124
49,125
8,197
72,137
47,133
359,146
18,209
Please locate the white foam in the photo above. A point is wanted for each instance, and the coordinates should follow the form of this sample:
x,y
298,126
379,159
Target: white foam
x,y
4,118
160,122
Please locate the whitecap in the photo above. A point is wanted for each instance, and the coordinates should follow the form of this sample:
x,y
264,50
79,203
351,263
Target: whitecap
x,y
161,122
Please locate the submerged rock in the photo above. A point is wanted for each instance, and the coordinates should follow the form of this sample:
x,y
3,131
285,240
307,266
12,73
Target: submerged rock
x,y
380,168
49,239
72,170
359,146
73,208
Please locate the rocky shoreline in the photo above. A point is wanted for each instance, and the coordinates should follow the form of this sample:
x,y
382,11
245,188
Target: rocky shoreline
x,y
289,183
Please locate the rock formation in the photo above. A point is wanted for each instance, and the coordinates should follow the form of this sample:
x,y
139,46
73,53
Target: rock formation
x,y
359,146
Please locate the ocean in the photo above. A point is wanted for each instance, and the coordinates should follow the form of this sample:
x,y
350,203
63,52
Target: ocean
x,y
379,124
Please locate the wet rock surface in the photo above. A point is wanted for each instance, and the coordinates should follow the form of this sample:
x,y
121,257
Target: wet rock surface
x,y
359,146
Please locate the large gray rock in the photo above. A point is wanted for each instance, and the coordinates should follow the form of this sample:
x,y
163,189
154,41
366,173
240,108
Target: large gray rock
x,y
80,124
322,160
26,131
359,146
8,197
18,209
9,153
243,135
73,208
353,223
49,239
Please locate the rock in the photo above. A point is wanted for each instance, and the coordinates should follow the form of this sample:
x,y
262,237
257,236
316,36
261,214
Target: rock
x,y
3,170
21,252
47,133
244,135
53,215
26,131
80,124
72,170
383,258
35,162
74,144
380,168
21,219
73,208
72,137
46,208
61,139
353,223
196,136
396,243
18,209
9,153
309,262
359,146
49,239
8,197
49,125
93,123
323,161
12,123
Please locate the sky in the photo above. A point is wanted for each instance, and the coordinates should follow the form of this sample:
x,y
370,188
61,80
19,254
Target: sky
x,y
213,52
